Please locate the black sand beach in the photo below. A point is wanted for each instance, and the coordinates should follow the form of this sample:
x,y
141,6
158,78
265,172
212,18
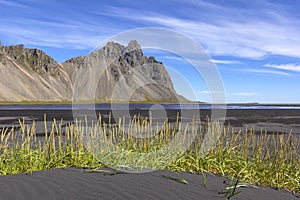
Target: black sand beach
x,y
74,183
270,120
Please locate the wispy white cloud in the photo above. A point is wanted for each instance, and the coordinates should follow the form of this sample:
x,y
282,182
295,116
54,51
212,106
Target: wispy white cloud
x,y
244,94
266,72
170,57
208,92
238,32
12,4
201,4
61,34
226,62
287,67
222,30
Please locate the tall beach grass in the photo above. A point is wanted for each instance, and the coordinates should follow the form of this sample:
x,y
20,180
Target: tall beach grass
x,y
253,157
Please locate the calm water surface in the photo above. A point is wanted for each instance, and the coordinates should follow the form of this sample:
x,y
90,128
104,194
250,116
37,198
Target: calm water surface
x,y
144,106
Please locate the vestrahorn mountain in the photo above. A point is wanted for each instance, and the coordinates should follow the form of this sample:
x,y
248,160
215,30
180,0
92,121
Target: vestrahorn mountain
x,y
31,75
114,72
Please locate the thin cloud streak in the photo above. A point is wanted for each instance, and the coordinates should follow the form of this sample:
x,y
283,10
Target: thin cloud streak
x,y
266,72
288,67
79,35
208,92
226,62
170,57
12,4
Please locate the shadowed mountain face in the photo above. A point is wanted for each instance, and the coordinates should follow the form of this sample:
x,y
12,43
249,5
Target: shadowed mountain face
x,y
113,72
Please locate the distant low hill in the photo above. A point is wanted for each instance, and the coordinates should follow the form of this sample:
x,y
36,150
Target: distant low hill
x,y
114,72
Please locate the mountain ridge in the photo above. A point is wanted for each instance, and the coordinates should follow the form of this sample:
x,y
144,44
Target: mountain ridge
x,y
114,72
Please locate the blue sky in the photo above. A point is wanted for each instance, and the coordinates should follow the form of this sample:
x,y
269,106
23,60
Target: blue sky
x,y
254,44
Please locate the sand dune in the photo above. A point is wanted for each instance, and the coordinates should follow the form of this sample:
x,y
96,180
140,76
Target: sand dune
x,y
75,183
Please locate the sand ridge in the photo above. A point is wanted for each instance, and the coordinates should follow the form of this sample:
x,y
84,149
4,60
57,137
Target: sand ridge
x,y
77,183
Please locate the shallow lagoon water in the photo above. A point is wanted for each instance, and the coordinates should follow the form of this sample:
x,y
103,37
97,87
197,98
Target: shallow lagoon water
x,y
272,118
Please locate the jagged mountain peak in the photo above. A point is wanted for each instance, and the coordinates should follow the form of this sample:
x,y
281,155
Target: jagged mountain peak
x,y
31,75
134,45
113,46
35,59
116,66
38,77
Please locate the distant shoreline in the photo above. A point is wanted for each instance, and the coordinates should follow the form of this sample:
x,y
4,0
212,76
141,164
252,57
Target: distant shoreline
x,y
142,102
92,102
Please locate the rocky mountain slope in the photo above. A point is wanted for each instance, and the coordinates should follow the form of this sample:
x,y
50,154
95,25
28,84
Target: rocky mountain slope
x,y
31,75
119,73
112,72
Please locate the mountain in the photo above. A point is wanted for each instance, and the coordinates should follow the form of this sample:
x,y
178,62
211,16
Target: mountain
x,y
31,75
126,74
113,72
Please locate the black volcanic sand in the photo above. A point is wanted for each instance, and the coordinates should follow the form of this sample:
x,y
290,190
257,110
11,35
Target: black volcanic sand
x,y
74,183
270,120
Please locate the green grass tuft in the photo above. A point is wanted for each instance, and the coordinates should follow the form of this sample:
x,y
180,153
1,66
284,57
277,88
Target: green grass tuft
x,y
256,158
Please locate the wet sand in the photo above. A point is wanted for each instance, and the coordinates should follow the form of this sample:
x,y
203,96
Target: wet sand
x,y
270,120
